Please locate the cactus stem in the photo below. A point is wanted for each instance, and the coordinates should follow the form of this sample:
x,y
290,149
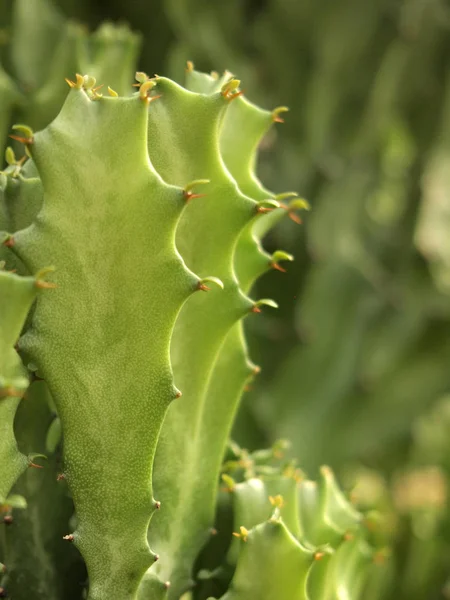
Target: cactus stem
x,y
276,114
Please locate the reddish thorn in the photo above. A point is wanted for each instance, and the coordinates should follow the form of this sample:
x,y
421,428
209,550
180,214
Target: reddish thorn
x,y
2,592
214,531
277,267
9,243
256,370
157,504
255,309
248,388
156,557
203,287
35,466
278,119
295,218
167,585
151,98
60,477
263,209
68,538
23,140
190,196
7,520
178,394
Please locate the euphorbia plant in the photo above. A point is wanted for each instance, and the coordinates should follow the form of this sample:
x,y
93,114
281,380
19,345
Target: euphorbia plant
x,y
133,206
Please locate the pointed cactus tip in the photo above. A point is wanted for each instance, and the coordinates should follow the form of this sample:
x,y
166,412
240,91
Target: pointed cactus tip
x,y
40,279
242,534
188,192
229,482
10,156
266,206
33,457
27,136
203,283
145,89
256,308
277,112
229,89
278,256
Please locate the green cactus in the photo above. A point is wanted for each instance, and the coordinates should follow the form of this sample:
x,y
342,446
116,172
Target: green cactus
x,y
142,202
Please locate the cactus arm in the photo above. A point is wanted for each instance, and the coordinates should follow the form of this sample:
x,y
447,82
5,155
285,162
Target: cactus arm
x,y
206,238
252,506
325,514
343,574
104,207
16,297
272,564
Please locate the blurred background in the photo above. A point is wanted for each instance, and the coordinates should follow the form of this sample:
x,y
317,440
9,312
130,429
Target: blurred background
x,y
356,362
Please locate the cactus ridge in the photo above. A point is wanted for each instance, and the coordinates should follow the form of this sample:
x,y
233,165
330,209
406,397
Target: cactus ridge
x,y
16,297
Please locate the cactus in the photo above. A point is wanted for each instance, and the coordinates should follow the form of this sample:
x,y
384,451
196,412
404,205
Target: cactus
x,y
110,195
149,207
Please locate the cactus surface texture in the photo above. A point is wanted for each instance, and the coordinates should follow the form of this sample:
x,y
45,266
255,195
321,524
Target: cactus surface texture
x,y
134,237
